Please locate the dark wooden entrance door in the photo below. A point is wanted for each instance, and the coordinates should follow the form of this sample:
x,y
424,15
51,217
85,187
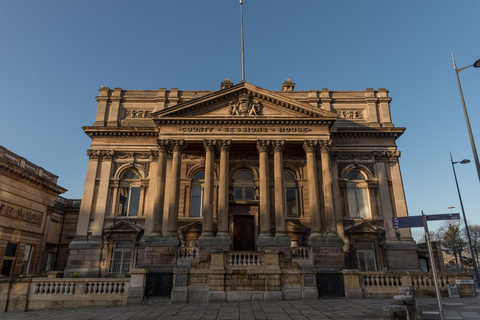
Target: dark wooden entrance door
x,y
243,233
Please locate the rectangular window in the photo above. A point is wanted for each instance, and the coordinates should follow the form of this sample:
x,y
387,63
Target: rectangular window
x,y
121,255
291,202
243,193
50,256
11,249
366,257
129,201
249,193
7,267
27,259
358,202
197,202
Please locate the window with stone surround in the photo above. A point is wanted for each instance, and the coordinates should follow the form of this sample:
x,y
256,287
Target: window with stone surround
x,y
357,195
121,257
243,186
196,199
366,256
130,194
291,194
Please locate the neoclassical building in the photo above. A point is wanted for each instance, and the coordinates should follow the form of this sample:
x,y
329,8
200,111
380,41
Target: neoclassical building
x,y
176,177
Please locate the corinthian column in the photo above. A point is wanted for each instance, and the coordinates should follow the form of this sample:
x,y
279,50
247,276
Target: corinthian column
x,y
263,147
174,194
327,189
310,147
159,197
385,200
207,228
280,216
222,234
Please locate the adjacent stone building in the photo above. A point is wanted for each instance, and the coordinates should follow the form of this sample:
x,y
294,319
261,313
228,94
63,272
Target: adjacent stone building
x,y
241,181
30,222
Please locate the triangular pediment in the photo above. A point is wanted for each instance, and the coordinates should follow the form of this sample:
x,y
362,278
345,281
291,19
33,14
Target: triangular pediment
x,y
244,101
364,227
122,227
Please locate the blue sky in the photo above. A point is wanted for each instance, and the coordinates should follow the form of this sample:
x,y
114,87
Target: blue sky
x,y
55,55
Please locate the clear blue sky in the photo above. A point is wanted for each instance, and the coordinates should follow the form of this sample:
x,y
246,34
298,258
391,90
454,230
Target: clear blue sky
x,y
55,55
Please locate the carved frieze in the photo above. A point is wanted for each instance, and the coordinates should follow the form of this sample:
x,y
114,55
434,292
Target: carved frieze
x,y
350,156
138,114
387,156
16,212
246,106
350,114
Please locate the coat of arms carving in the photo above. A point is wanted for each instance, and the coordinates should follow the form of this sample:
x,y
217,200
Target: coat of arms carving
x,y
245,106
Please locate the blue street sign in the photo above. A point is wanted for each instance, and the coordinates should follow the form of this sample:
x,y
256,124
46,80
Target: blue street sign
x,y
417,221
407,222
443,216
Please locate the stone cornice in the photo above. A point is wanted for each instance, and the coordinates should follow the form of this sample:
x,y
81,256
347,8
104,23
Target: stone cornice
x,y
120,132
172,121
24,174
393,133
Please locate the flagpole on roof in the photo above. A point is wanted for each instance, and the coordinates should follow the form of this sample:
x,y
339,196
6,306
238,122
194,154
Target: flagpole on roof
x,y
243,51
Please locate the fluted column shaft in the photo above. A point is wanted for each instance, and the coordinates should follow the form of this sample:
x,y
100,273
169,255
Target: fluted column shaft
x,y
159,200
224,146
327,188
385,200
207,229
175,192
310,147
263,147
280,214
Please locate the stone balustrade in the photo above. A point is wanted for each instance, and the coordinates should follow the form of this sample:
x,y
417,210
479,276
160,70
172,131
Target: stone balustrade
x,y
187,253
300,253
244,259
27,165
387,284
48,293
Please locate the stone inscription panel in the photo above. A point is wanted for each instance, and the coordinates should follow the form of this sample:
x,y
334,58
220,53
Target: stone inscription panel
x,y
181,280
308,280
243,130
16,212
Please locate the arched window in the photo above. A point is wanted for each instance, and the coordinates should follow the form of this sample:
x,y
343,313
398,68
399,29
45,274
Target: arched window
x,y
129,199
357,194
196,201
291,194
243,186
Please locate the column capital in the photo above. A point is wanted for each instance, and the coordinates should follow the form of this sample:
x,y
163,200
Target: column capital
x,y
310,146
163,145
278,145
153,154
324,145
94,154
100,154
224,145
209,145
178,145
263,145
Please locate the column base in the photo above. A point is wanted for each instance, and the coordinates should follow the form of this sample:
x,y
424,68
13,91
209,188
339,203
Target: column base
x,y
223,240
84,258
206,240
401,256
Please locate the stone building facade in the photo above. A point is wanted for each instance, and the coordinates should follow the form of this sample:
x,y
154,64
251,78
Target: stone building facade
x,y
30,220
175,177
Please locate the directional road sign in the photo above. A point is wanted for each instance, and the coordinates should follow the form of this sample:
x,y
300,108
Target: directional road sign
x,y
417,221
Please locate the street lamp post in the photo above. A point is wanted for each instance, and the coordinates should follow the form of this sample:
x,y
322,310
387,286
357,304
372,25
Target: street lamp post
x,y
464,161
476,64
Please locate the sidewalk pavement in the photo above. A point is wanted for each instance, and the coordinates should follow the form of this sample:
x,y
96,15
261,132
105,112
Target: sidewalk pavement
x,y
341,309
